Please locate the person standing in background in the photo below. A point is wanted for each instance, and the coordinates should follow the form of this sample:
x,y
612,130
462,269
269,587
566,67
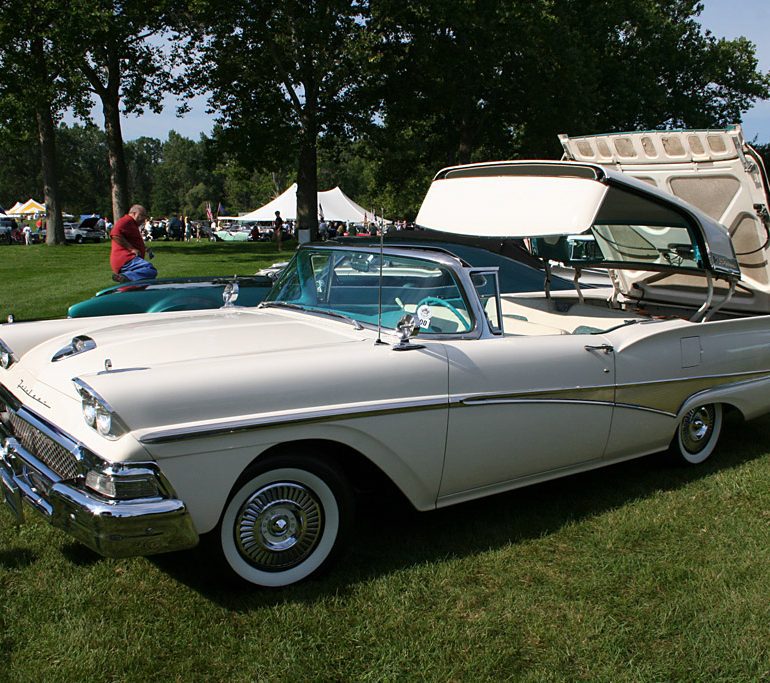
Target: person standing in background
x,y
278,228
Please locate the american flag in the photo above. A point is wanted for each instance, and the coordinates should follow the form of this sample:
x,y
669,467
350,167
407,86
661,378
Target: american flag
x,y
208,211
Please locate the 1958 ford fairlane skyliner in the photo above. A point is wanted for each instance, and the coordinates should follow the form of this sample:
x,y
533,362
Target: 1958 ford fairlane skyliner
x,y
254,424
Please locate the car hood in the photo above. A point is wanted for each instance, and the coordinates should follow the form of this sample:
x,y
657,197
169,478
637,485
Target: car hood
x,y
89,223
165,367
156,340
713,170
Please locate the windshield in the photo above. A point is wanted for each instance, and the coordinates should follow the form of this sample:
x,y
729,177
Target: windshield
x,y
346,282
639,246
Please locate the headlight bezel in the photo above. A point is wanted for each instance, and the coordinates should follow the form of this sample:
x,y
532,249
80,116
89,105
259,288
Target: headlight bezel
x,y
7,357
98,414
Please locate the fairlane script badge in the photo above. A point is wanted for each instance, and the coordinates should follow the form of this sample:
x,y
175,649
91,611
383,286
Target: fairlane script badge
x,y
29,393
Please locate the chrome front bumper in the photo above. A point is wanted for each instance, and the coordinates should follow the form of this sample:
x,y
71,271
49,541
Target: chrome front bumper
x,y
123,528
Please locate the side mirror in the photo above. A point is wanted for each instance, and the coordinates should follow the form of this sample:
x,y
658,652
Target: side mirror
x,y
407,328
230,294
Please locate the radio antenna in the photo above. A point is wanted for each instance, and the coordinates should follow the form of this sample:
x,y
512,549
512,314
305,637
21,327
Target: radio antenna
x,y
379,291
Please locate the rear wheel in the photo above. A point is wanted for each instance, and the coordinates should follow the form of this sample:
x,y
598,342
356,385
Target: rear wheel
x,y
698,433
286,520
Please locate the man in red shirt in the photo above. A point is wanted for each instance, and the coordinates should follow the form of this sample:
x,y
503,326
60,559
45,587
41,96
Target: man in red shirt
x,y
128,250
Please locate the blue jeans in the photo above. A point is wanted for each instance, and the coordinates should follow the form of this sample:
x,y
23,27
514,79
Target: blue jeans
x,y
139,269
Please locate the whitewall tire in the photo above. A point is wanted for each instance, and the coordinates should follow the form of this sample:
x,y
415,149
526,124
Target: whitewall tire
x,y
287,520
698,433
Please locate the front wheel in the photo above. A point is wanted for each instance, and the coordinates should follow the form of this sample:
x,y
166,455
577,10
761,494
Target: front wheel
x,y
698,433
287,519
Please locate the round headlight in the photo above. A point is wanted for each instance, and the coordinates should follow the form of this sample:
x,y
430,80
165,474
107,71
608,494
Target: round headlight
x,y
89,414
5,359
103,423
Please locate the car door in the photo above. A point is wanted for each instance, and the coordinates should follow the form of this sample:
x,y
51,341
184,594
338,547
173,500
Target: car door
x,y
525,405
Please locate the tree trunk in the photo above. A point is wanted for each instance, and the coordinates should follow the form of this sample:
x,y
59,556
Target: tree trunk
x,y
465,142
46,131
109,94
116,154
307,184
47,136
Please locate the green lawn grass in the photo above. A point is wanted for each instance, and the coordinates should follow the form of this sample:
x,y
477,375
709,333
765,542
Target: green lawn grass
x,y
639,572
39,281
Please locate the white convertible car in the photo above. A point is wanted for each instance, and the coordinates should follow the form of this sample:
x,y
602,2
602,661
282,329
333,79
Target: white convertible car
x,y
257,425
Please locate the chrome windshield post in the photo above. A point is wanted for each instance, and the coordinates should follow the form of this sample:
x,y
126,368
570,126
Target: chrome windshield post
x,y
727,298
698,316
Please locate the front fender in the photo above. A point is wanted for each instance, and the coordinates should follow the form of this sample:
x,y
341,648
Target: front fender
x,y
413,466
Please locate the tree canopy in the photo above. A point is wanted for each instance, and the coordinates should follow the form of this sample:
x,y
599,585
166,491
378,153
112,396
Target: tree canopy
x,y
373,95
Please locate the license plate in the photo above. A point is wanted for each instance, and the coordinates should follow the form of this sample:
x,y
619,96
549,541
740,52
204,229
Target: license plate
x,y
12,495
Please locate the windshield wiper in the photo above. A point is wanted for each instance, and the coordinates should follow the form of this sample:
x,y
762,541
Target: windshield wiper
x,y
308,309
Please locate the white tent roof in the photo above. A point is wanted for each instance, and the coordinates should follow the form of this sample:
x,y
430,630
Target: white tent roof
x,y
334,204
15,208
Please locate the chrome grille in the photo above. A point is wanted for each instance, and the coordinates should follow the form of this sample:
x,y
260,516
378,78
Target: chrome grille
x,y
53,455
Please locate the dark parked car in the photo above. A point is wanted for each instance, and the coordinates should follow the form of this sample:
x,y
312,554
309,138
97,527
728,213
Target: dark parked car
x,y
7,226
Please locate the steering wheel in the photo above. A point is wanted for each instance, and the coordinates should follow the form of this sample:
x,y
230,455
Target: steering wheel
x,y
436,301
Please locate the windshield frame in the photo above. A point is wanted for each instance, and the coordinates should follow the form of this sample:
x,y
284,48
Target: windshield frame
x,y
459,272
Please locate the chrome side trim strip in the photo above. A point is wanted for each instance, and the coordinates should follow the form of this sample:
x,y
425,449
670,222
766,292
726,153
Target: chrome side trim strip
x,y
753,374
503,401
646,409
669,394
307,417
506,401
604,396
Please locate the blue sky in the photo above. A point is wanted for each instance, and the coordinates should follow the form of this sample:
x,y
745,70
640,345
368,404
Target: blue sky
x,y
724,18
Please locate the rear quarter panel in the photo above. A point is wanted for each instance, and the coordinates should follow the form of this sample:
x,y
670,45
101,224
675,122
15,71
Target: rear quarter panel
x,y
660,365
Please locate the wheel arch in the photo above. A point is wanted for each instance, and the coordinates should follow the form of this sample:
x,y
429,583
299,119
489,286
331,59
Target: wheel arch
x,y
367,462
364,475
734,398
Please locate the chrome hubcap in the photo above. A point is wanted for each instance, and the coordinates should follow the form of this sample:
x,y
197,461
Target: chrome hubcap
x,y
279,526
696,428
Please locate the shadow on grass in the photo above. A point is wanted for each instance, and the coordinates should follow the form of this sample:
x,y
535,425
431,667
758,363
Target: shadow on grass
x,y
16,558
80,555
390,536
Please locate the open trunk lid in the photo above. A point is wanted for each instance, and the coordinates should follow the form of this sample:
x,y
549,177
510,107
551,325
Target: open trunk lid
x,y
715,171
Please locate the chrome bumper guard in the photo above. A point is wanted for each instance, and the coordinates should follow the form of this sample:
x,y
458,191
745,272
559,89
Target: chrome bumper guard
x,y
120,528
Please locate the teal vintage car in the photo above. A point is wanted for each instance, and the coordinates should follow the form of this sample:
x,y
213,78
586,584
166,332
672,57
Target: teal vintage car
x,y
518,272
176,294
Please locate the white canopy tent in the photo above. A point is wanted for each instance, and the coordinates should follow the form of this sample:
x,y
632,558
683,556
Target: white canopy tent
x,y
15,209
333,205
27,208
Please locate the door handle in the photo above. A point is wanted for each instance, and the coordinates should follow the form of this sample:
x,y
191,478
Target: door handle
x,y
607,348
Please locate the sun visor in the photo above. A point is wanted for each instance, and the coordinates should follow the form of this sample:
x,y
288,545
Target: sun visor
x,y
512,205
